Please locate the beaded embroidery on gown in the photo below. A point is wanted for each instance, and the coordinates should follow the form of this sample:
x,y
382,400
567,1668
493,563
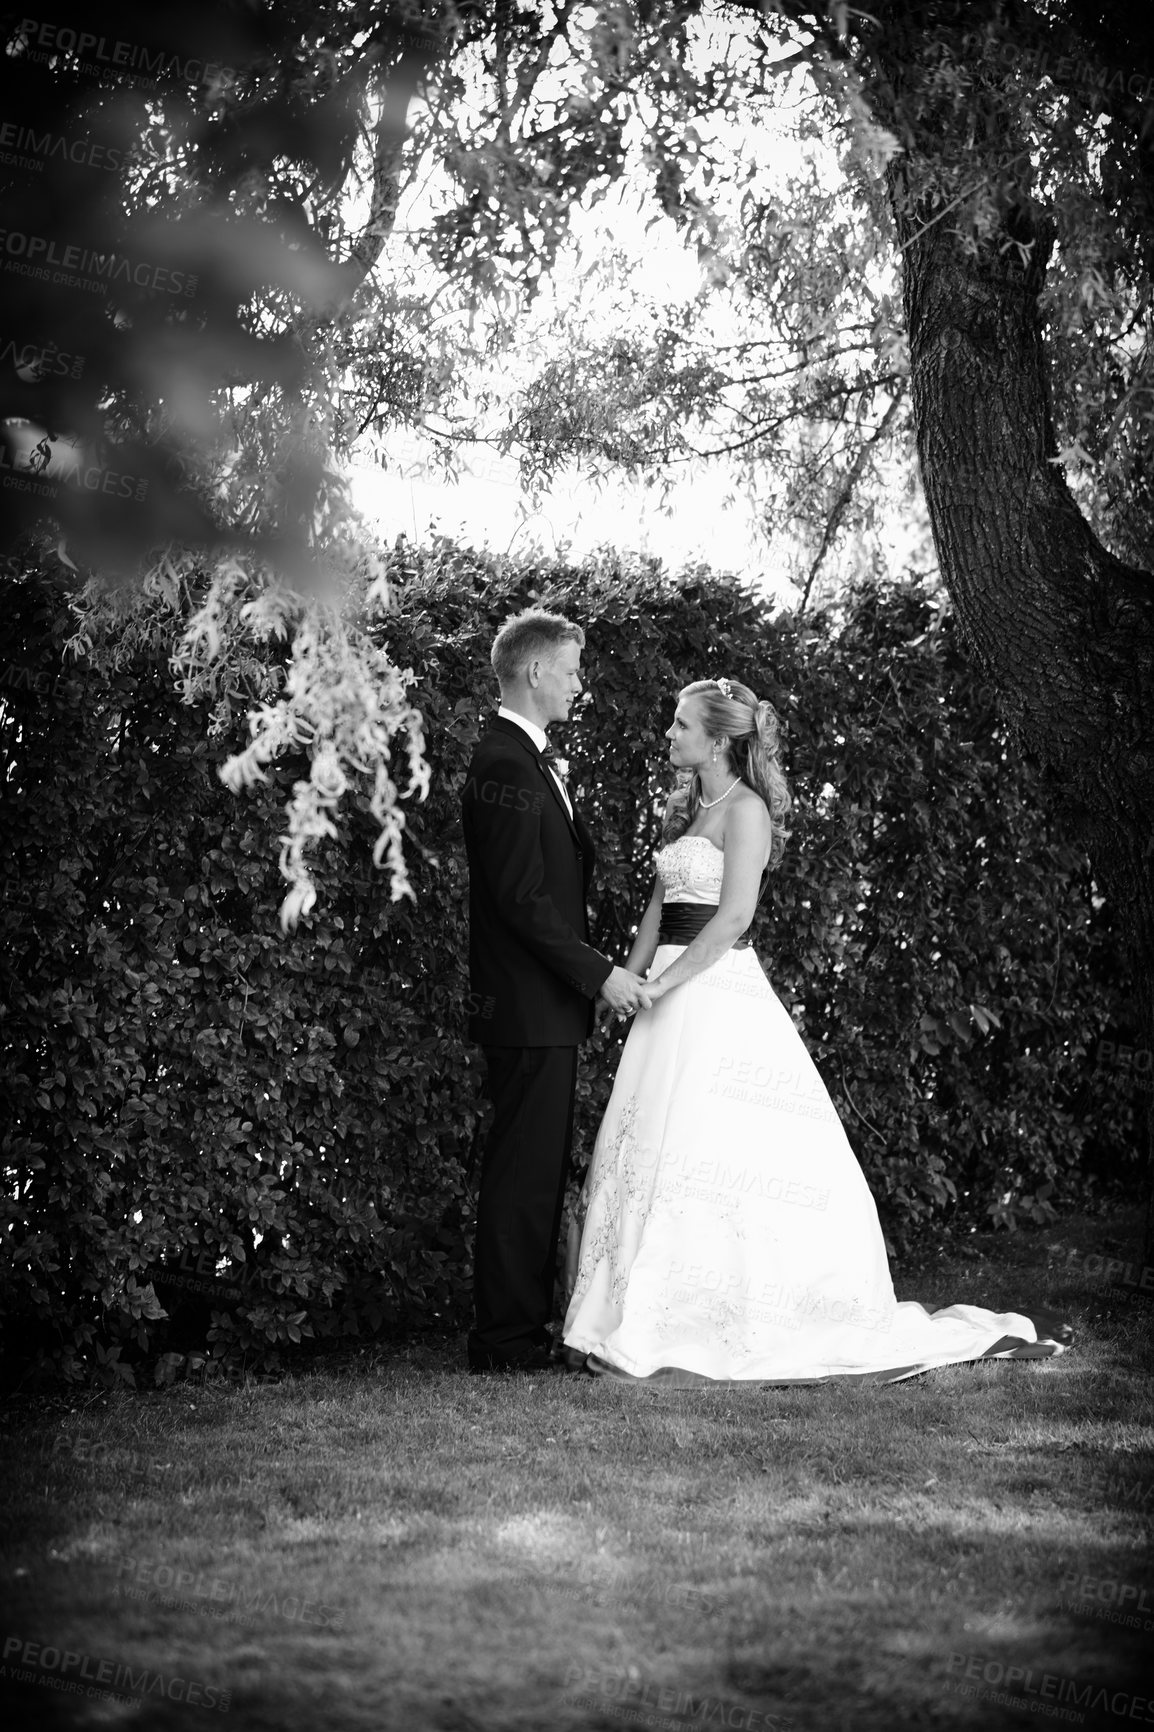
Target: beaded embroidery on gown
x,y
729,1232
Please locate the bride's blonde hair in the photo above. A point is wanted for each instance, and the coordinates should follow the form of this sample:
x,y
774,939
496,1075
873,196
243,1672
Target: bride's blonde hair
x,y
754,731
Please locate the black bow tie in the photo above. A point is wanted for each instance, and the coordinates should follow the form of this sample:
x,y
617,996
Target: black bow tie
x,y
549,756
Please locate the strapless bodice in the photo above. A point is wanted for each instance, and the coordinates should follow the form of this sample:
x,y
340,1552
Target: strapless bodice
x,y
690,869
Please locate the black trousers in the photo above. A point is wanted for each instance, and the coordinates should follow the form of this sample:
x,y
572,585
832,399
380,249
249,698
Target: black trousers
x,y
523,1173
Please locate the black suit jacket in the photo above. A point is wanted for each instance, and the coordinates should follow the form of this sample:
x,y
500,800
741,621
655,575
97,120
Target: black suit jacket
x,y
533,975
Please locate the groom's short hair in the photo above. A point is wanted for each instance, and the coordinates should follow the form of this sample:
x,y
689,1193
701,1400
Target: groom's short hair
x,y
528,635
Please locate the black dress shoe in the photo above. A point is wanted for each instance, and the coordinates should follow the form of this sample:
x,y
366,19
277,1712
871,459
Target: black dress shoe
x,y
1051,1326
571,1358
537,1359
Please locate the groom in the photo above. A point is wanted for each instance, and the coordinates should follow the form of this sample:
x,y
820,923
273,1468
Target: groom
x,y
533,977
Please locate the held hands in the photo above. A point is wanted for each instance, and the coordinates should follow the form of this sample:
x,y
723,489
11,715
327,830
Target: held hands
x,y
625,992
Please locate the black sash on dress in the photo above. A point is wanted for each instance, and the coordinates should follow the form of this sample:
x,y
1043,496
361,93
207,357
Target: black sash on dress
x,y
682,921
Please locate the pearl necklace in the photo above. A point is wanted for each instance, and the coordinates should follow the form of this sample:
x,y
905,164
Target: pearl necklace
x,y
721,797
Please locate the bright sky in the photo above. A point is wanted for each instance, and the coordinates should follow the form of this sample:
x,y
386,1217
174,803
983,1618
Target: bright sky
x,y
707,517
490,511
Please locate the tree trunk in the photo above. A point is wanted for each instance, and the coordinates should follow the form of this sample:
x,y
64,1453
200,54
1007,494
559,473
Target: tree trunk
x,y
1063,629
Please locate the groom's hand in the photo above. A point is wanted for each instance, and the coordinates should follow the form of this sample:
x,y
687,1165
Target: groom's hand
x,y
624,991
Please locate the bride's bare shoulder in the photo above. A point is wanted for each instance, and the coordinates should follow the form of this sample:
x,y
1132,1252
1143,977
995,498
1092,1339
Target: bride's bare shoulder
x,y
748,816
749,801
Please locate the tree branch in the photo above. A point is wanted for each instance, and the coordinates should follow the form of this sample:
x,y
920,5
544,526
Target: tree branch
x,y
846,493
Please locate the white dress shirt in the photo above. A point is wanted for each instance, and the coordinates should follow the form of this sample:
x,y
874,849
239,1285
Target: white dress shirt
x,y
541,740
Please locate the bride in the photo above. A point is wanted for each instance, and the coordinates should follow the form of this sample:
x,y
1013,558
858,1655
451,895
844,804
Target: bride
x,y
729,1233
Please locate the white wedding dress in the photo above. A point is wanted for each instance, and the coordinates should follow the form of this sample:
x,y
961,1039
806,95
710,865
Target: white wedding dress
x,y
729,1233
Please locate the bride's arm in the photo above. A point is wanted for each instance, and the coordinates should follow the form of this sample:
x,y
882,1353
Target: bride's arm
x,y
645,944
747,839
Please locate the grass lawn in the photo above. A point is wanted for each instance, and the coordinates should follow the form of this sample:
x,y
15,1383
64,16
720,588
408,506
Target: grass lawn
x,y
401,1545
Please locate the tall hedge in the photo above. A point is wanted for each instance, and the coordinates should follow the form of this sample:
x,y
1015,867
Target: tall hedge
x,y
220,1142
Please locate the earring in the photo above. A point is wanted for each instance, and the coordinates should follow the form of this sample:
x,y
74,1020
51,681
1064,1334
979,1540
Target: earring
x,y
713,756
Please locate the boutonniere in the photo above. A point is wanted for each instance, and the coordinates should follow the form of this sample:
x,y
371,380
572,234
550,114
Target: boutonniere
x,y
561,765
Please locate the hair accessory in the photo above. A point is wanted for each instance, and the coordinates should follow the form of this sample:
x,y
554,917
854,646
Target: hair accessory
x,y
724,687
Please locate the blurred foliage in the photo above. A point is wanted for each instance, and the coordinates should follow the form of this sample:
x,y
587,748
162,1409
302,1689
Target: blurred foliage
x,y
221,1143
163,265
176,271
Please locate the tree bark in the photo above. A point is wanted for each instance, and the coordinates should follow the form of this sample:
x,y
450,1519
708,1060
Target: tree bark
x,y
1062,628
